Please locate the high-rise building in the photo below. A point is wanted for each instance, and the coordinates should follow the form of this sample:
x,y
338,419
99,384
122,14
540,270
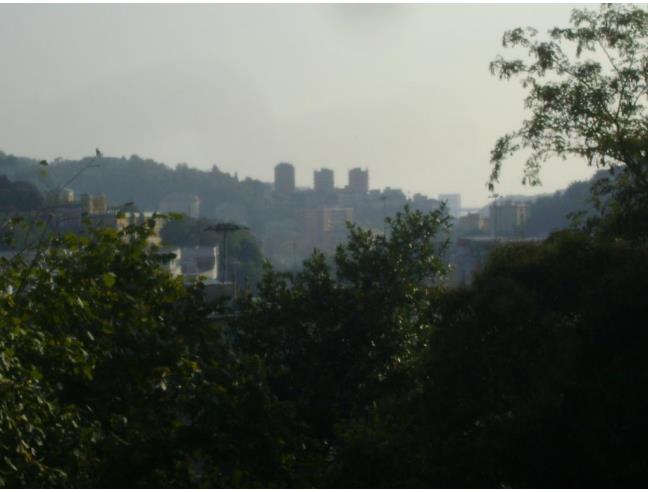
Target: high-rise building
x,y
323,181
319,221
312,220
284,180
453,203
334,219
358,180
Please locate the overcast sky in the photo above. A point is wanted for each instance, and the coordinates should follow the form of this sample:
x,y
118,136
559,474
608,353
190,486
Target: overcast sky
x,y
403,90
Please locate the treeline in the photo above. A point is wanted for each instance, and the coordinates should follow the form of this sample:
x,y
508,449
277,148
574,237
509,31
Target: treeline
x,y
19,196
549,213
361,373
145,183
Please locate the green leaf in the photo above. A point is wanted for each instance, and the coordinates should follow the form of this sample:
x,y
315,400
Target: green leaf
x,y
109,279
10,464
36,374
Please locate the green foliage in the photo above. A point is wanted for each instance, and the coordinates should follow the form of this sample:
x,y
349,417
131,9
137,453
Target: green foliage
x,y
623,206
113,375
335,339
555,331
589,107
359,371
532,377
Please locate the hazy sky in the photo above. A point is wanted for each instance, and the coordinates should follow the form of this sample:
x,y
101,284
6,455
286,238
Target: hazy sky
x,y
401,89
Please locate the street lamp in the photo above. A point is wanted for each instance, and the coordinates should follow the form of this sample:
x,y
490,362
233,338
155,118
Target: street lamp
x,y
225,228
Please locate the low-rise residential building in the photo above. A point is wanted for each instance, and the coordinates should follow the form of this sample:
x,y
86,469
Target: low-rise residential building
x,y
94,204
199,261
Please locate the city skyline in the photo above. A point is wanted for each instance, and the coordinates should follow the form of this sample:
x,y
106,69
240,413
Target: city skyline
x,y
402,89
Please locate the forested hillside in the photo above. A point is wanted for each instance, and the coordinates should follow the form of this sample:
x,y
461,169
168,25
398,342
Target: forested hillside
x,y
143,182
19,195
549,213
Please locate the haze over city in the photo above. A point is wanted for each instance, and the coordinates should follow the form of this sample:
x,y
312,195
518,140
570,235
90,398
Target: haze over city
x,y
254,247
403,90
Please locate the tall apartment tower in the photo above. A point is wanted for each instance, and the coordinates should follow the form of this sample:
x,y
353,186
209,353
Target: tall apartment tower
x,y
323,181
284,178
358,180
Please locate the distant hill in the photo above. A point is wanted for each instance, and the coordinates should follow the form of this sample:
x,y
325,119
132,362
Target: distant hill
x,y
550,212
144,182
18,195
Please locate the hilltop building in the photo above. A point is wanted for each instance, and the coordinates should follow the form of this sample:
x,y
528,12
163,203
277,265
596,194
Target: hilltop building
x,y
323,181
358,181
284,178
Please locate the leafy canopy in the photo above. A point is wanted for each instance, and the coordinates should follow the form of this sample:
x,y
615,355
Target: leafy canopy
x,y
586,93
113,373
